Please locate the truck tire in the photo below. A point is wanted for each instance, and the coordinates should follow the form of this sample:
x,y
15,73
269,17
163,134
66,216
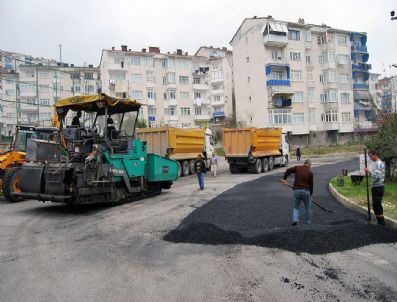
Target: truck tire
x,y
257,166
265,164
191,166
233,168
179,169
271,163
185,168
10,184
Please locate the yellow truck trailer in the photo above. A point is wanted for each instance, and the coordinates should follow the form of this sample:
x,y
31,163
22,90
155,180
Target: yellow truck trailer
x,y
255,149
182,145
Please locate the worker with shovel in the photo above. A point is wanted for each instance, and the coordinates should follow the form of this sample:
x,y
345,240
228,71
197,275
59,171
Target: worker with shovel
x,y
303,189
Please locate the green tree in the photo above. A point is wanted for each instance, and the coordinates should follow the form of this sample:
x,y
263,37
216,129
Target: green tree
x,y
141,123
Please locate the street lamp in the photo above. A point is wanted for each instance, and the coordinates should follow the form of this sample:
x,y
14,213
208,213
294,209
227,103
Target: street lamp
x,y
393,15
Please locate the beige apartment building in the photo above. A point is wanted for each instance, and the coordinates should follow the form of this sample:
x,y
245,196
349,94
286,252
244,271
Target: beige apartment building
x,y
176,89
302,77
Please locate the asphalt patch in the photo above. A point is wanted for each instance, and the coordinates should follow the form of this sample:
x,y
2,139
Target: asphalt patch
x,y
258,213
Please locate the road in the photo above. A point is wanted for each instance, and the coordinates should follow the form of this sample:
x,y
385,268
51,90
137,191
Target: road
x,y
231,242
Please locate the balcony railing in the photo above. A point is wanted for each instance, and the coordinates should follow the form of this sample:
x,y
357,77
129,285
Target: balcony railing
x,y
360,86
218,114
275,40
202,117
278,83
201,102
361,67
387,96
359,48
282,102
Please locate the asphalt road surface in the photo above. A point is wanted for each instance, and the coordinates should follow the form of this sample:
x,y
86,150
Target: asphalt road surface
x,y
231,242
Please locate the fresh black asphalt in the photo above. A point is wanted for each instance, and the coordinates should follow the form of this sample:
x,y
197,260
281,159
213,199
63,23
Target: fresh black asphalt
x,y
259,213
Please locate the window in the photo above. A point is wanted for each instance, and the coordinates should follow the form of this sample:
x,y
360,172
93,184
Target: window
x,y
9,80
311,95
164,80
185,111
280,116
171,94
308,36
295,55
298,118
88,88
184,95
186,125
150,76
294,35
346,117
152,124
197,95
45,88
308,60
312,116
136,78
344,78
249,79
216,75
88,76
76,88
27,86
296,75
329,76
31,102
342,39
137,94
248,59
141,111
196,81
151,94
309,75
44,75
170,77
117,76
277,75
171,62
344,98
297,97
329,116
118,60
275,55
182,64
44,102
30,74
136,60
169,111
149,61
164,63
183,80
197,111
75,76
152,111
329,96
342,59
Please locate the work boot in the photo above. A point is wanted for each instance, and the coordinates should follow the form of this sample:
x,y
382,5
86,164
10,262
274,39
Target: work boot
x,y
381,220
294,223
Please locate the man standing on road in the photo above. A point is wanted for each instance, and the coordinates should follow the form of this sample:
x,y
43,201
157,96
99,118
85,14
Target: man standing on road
x,y
303,189
298,153
377,185
200,169
214,164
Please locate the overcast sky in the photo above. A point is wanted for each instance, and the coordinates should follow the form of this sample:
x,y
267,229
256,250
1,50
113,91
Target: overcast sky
x,y
85,27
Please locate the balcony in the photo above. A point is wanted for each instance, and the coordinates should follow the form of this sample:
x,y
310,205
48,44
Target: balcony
x,y
330,105
151,102
275,40
171,103
200,70
278,83
218,114
361,86
201,86
218,103
359,48
218,80
387,96
202,117
361,67
172,118
217,91
386,104
331,126
201,102
279,102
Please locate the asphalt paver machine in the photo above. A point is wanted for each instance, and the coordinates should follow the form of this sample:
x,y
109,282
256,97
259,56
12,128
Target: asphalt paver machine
x,y
97,164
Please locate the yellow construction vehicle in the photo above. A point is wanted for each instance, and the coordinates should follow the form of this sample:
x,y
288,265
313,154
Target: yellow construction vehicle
x,y
15,154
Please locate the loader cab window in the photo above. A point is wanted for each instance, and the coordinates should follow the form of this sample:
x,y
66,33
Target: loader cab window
x,y
129,123
21,139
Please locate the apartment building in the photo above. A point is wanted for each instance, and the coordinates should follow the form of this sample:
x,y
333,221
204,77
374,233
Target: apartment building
x,y
300,77
176,89
8,109
387,89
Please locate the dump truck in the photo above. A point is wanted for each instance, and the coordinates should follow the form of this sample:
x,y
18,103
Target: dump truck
x,y
92,165
255,149
182,145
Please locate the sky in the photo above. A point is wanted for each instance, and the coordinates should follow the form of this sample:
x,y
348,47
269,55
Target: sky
x,y
85,27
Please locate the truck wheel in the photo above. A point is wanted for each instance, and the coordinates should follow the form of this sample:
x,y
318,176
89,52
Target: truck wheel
x,y
286,160
185,168
191,166
179,169
265,164
271,163
10,184
233,168
257,166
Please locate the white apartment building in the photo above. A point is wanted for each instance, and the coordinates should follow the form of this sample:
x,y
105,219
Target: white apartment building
x,y
299,77
177,89
387,89
8,109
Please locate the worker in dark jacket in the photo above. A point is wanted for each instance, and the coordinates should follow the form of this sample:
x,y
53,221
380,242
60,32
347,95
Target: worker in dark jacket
x,y
303,189
200,169
76,119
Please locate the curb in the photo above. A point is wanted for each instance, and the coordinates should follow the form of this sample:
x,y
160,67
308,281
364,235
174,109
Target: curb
x,y
347,202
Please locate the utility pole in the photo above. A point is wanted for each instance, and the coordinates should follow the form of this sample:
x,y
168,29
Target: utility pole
x,y
60,53
16,91
37,96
